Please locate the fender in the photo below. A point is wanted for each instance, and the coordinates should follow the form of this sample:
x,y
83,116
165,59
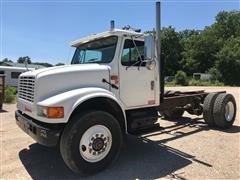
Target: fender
x,y
70,100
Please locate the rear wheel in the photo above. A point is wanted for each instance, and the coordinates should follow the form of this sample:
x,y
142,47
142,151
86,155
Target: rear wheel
x,y
224,110
90,142
208,109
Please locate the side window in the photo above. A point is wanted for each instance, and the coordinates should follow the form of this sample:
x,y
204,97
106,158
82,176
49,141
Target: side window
x,y
130,54
14,75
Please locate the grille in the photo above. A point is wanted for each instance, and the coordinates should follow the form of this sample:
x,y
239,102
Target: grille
x,y
26,88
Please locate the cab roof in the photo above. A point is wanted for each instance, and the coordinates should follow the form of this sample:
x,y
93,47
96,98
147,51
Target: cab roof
x,y
116,32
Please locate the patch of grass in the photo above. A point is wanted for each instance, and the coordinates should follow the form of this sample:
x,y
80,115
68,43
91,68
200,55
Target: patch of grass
x,y
194,82
171,83
10,94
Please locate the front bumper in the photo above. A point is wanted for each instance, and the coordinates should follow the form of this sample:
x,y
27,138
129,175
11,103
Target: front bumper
x,y
43,133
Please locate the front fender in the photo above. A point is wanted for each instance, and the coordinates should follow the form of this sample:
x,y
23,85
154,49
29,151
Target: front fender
x,y
72,99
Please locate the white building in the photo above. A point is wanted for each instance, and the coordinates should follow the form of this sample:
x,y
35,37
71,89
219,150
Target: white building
x,y
12,73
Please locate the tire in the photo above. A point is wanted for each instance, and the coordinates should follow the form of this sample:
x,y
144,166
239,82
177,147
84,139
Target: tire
x,y
208,109
172,113
224,111
88,133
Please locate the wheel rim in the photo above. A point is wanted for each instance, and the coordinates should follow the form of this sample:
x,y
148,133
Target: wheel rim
x,y
229,111
95,143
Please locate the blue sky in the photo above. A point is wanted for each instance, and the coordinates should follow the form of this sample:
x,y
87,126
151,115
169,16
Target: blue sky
x,y
43,29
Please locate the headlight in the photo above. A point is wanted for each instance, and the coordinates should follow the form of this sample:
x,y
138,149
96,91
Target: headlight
x,y
50,112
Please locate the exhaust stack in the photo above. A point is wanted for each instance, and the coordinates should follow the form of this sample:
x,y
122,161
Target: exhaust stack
x,y
158,48
112,25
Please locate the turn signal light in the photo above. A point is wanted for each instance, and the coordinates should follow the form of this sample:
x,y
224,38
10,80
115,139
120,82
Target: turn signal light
x,y
55,112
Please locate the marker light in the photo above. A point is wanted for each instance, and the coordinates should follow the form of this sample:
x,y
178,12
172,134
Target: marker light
x,y
55,112
51,112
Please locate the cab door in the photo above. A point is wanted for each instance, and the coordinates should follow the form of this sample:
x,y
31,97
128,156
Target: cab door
x,y
137,83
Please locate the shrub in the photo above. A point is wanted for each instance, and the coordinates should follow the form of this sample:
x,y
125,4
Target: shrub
x,y
181,78
10,94
215,74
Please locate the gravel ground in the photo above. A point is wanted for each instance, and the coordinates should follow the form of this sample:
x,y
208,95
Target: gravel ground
x,y
186,149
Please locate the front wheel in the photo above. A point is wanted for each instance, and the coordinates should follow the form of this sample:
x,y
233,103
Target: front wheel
x,y
91,141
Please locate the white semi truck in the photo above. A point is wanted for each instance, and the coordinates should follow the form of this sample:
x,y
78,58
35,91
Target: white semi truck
x,y
113,87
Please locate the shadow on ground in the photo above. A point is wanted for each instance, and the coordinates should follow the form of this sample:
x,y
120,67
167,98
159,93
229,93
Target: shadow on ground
x,y
3,111
141,158
138,160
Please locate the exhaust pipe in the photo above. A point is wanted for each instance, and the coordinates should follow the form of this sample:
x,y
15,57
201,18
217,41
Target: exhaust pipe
x,y
112,25
158,48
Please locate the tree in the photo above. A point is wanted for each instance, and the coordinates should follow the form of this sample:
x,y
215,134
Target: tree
x,y
171,50
200,51
185,34
43,64
228,63
23,59
227,24
7,60
59,64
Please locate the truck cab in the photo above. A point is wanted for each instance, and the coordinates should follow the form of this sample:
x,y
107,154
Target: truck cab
x,y
111,64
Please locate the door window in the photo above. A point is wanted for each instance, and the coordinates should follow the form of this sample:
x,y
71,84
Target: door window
x,y
131,54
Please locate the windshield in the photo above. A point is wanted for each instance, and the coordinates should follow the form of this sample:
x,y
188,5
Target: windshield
x,y
98,51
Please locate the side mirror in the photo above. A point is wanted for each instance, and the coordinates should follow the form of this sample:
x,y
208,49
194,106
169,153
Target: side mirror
x,y
149,47
149,52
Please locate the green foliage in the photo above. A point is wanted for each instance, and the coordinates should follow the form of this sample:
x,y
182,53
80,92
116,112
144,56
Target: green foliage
x,y
171,83
228,63
23,59
227,24
171,50
199,53
6,60
215,74
43,64
10,94
194,82
181,78
59,64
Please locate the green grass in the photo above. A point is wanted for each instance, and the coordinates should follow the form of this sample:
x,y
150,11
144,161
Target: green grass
x,y
193,82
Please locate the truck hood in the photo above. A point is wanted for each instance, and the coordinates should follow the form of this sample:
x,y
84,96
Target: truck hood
x,y
65,69
56,80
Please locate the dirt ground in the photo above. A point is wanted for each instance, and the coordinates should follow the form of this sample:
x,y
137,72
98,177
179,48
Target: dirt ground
x,y
184,149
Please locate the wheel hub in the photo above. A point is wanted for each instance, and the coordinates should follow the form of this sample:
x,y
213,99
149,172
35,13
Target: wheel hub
x,y
229,111
95,143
